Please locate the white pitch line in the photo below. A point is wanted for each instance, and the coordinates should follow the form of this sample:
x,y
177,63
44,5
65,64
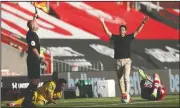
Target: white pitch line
x,y
124,104
96,105
152,101
98,99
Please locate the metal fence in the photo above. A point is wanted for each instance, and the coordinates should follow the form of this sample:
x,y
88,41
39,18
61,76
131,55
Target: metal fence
x,y
81,66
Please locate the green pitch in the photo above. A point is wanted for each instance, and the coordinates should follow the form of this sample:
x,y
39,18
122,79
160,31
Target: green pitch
x,y
169,101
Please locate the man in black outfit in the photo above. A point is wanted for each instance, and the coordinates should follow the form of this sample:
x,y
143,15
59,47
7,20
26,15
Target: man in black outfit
x,y
122,54
33,61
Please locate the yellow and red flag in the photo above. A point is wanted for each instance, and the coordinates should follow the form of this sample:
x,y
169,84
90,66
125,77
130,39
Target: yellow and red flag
x,y
41,5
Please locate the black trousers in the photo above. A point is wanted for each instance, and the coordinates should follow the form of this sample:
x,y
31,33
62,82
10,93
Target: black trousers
x,y
33,67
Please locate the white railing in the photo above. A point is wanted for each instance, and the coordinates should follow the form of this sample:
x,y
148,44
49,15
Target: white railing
x,y
80,66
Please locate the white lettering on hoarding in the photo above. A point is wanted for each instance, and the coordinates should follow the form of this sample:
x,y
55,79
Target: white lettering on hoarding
x,y
135,81
174,82
83,76
135,88
16,85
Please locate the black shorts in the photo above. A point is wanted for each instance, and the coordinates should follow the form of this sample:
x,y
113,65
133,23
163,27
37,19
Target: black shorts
x,y
147,91
33,67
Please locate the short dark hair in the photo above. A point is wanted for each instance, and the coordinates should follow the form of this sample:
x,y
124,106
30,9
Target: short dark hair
x,y
123,26
61,80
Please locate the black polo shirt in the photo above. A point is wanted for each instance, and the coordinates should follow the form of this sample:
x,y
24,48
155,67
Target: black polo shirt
x,y
122,46
32,40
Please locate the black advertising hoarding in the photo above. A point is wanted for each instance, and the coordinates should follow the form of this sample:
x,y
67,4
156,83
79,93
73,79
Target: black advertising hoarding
x,y
170,79
12,81
146,54
12,86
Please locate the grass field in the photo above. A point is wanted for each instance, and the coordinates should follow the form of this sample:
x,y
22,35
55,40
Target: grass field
x,y
169,101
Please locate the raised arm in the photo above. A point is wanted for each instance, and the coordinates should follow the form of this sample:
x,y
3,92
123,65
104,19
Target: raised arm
x,y
35,16
105,28
141,26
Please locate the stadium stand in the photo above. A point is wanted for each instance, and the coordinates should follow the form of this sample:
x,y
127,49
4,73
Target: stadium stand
x,y
163,13
114,15
85,18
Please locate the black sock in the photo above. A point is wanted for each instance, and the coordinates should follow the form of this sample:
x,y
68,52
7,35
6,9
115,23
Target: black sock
x,y
30,92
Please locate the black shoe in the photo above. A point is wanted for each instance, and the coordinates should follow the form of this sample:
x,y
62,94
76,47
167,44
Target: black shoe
x,y
28,104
